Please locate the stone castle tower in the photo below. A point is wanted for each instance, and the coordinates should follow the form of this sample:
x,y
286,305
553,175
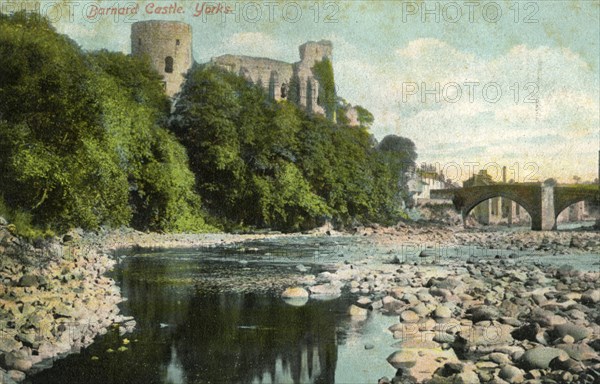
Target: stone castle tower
x,y
168,44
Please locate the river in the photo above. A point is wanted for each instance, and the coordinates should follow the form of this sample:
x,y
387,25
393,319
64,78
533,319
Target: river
x,y
214,315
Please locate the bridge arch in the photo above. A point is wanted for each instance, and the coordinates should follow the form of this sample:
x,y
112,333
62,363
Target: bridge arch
x,y
565,196
528,196
568,203
474,202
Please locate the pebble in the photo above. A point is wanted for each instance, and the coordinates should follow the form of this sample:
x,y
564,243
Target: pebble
x,y
511,374
442,312
409,317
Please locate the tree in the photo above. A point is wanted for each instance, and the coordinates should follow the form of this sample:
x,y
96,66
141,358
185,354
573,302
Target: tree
x,y
269,164
365,118
243,148
399,153
136,110
55,165
83,138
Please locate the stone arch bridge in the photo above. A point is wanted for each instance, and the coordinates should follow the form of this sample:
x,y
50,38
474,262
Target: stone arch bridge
x,y
543,202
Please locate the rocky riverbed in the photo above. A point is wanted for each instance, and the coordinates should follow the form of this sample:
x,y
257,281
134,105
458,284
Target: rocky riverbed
x,y
482,321
515,239
54,300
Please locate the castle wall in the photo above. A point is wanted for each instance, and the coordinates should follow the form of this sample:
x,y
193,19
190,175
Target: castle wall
x,y
168,44
272,75
308,87
312,52
276,76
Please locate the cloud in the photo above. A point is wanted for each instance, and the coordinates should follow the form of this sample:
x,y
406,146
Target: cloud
x,y
254,44
546,112
92,36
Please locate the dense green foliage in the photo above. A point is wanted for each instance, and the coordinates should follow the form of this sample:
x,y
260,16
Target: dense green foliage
x,y
323,71
399,154
81,142
262,163
88,139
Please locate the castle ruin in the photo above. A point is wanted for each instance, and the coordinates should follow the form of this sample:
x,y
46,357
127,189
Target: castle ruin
x,y
284,81
168,44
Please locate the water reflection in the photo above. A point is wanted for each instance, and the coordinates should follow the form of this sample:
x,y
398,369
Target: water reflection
x,y
309,368
174,369
241,337
188,335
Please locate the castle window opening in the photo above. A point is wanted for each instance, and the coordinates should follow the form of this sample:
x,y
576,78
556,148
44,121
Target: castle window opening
x,y
169,64
177,42
284,90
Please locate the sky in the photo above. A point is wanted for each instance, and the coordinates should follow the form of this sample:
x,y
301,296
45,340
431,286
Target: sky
x,y
475,84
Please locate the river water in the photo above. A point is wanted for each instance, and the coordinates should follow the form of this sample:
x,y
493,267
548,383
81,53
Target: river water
x,y
214,315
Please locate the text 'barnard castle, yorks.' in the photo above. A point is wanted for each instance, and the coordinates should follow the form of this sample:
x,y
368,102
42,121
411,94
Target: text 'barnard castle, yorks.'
x,y
199,9
249,11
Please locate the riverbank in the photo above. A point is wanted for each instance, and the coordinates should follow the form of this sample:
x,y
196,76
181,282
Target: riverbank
x,y
55,297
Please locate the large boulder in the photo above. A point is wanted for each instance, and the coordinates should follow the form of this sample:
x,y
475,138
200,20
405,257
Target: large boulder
x,y
9,344
444,283
419,364
511,374
18,360
484,336
294,293
357,312
5,377
295,296
540,357
484,312
28,281
579,352
576,331
546,318
325,291
442,312
409,317
591,297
